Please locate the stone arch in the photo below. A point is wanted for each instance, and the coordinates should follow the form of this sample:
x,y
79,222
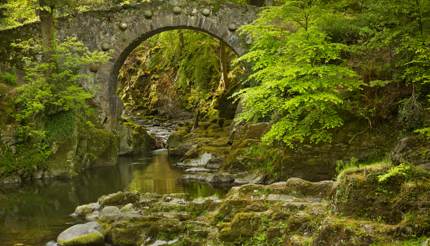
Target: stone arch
x,y
120,29
116,108
221,24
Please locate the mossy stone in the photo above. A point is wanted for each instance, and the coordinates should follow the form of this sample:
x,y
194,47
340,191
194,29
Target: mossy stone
x,y
177,10
206,12
147,14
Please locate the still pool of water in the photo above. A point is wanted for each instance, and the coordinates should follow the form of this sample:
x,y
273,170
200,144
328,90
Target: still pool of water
x,y
34,214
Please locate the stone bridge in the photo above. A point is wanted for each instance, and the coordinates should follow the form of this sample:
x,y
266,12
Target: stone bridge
x,y
121,29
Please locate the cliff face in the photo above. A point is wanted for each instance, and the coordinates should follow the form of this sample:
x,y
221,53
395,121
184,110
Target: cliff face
x,y
69,144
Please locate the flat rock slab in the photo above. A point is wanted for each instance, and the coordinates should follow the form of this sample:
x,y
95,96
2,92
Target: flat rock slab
x,y
197,170
199,162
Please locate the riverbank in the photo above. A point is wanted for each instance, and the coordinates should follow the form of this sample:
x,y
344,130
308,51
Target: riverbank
x,y
393,209
35,213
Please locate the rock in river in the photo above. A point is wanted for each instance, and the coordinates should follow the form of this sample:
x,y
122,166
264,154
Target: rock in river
x,y
110,213
82,234
200,161
119,198
86,209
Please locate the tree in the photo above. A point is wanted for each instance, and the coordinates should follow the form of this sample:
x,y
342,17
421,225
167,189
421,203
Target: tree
x,y
49,105
299,78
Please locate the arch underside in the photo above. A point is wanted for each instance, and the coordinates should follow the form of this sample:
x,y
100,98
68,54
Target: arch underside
x,y
229,37
133,45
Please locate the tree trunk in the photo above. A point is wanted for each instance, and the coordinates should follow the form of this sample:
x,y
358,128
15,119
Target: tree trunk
x,y
196,119
224,65
46,16
181,44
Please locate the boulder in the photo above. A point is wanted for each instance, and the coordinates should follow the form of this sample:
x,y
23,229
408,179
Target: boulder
x,y
51,243
200,161
176,143
134,139
401,197
82,234
213,178
301,187
242,226
92,216
335,231
86,209
413,150
250,131
110,213
119,198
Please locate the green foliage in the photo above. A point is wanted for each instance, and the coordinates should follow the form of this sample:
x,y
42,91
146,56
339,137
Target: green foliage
x,y
402,171
193,54
53,87
425,132
309,59
301,78
48,104
24,160
265,159
410,242
17,12
342,165
8,78
411,113
180,68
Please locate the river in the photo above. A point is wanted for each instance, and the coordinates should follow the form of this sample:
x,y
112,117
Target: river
x,y
33,214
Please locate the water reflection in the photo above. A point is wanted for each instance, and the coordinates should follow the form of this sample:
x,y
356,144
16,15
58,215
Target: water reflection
x,y
34,214
156,177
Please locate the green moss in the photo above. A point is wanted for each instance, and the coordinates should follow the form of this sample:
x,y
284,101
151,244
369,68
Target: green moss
x,y
228,209
8,78
93,238
96,145
382,192
352,232
24,161
60,127
409,242
242,227
128,232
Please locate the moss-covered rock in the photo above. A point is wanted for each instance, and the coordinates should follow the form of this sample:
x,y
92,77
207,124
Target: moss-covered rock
x,y
82,235
358,209
119,198
242,227
383,192
343,231
301,187
134,139
81,147
310,162
413,149
125,232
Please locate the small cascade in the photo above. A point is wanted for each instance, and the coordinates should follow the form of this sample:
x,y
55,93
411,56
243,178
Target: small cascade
x,y
159,130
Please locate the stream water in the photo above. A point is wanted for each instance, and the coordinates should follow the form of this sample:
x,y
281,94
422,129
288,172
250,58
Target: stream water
x,y
36,213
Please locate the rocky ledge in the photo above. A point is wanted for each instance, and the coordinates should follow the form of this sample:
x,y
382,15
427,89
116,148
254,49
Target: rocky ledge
x,y
350,211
